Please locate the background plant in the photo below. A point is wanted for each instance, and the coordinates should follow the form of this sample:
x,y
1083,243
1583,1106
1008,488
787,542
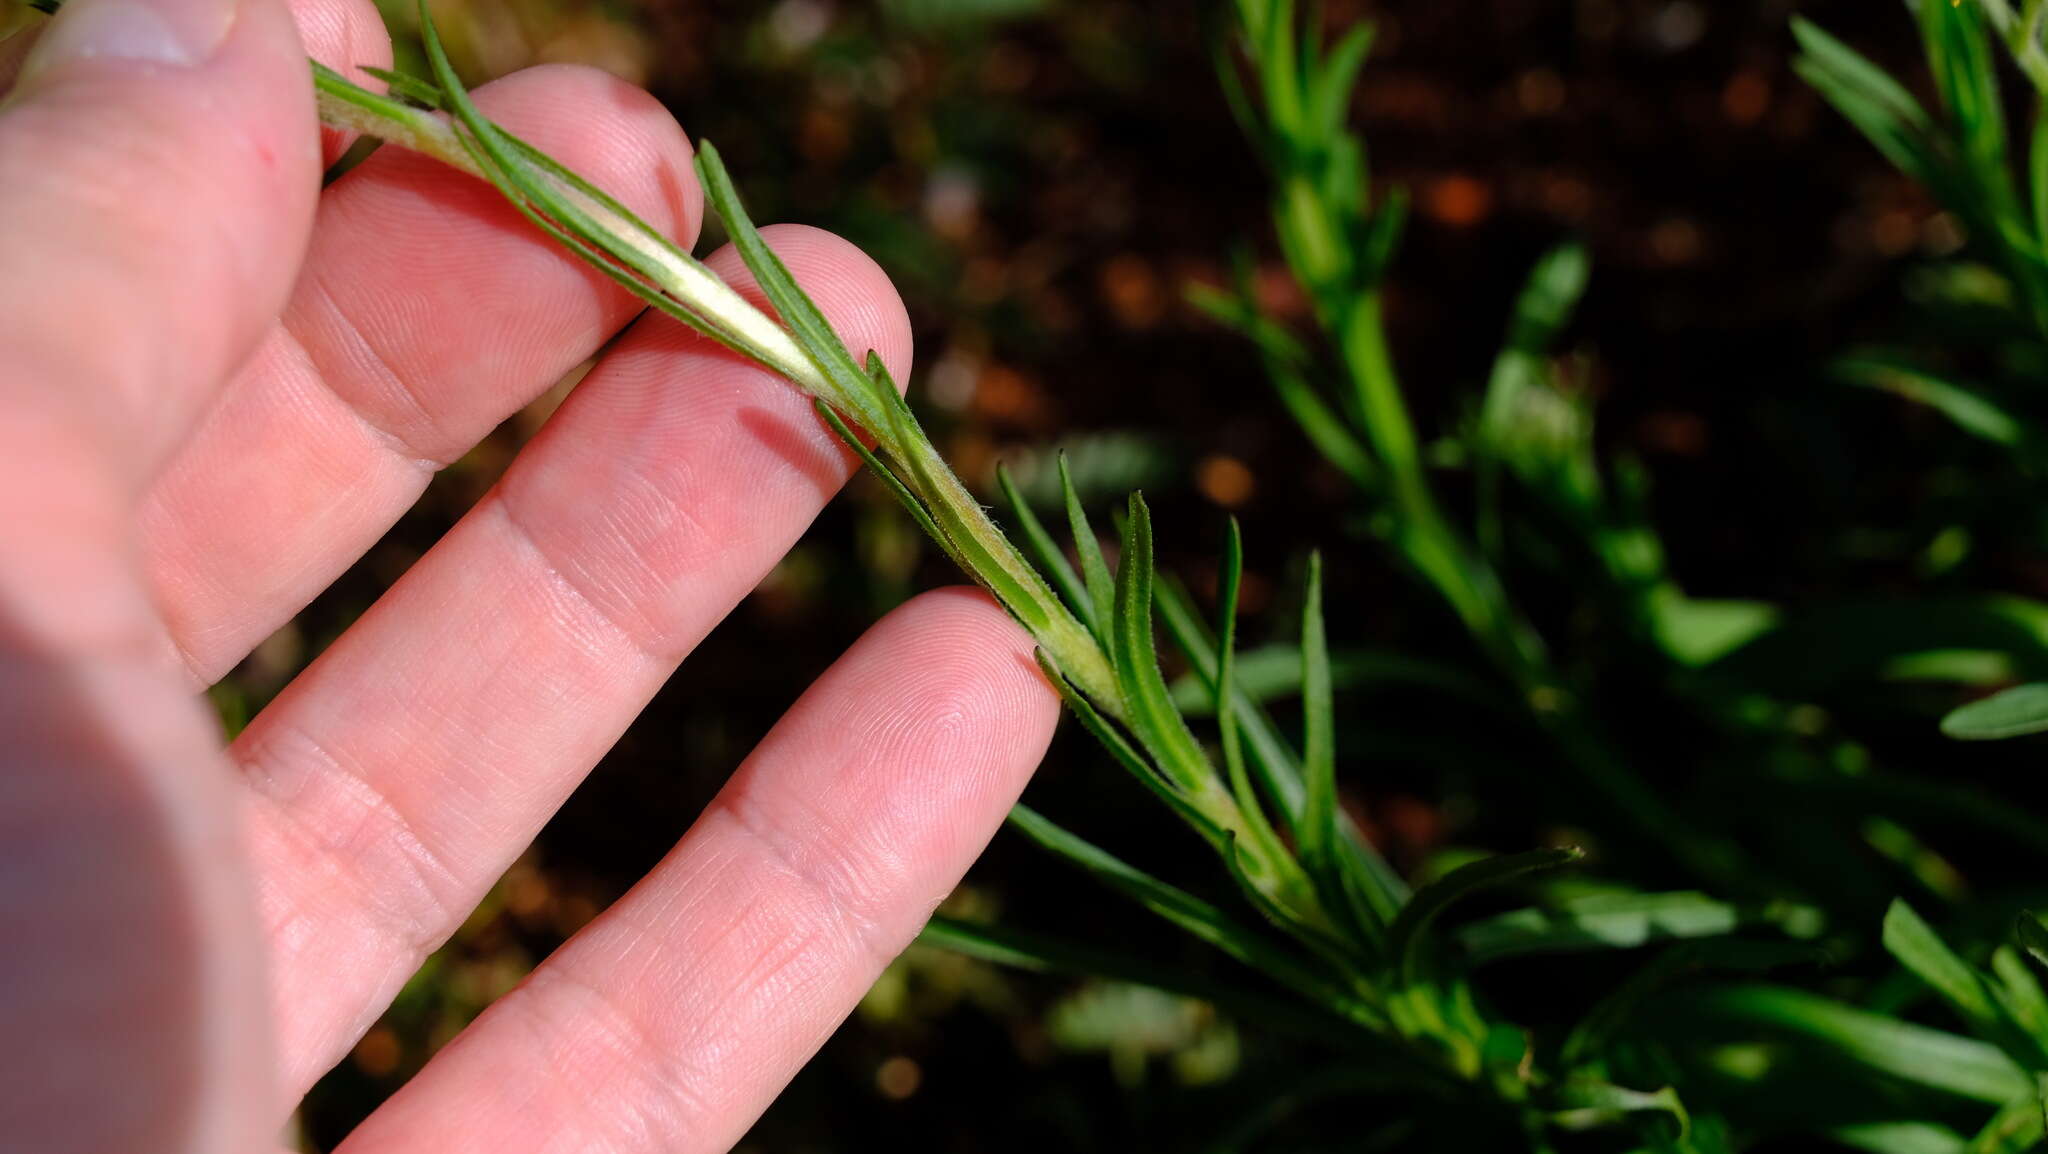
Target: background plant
x,y
1532,429
1362,950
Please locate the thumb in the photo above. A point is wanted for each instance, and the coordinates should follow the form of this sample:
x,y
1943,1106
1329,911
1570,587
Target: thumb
x,y
159,163
158,167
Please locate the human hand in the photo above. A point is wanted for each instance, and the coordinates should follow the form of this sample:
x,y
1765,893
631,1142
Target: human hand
x,y
218,386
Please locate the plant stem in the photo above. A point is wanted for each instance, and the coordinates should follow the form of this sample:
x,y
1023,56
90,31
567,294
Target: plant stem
x,y
346,105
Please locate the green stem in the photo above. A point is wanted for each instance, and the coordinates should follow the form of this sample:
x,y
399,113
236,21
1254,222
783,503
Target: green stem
x,y
1362,340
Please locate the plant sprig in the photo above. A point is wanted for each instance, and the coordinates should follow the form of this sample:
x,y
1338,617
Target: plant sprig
x,y
1096,644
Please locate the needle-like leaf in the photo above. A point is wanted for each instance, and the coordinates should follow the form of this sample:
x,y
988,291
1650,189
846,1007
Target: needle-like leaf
x,y
1046,552
1005,945
1408,938
1125,755
858,392
2032,936
1927,1057
1318,832
885,474
1278,770
1736,955
1159,726
2016,712
1197,917
1230,577
1094,570
1623,921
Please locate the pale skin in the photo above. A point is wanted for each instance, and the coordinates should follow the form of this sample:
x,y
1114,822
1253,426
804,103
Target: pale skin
x,y
219,384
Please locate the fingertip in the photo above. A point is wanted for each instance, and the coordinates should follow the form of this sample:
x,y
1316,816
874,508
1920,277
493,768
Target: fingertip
x,y
853,292
978,663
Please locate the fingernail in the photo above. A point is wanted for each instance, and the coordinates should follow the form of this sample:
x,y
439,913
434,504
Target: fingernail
x,y
182,33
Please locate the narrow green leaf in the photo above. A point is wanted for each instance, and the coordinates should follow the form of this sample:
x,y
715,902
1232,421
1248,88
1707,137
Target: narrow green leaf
x,y
1006,946
1587,1104
1870,99
1818,650
1279,772
383,106
1086,546
1134,762
1917,947
1409,937
1624,921
1231,80
1052,563
985,553
1273,673
515,177
1344,185
406,87
522,174
1158,725
2020,992
1959,52
1925,803
1200,919
1286,363
1549,297
2037,171
1341,956
1383,235
1229,577
1854,69
1026,951
887,475
2032,936
2020,710
1318,832
1927,1057
1900,1138
1737,955
1280,71
1094,570
630,255
1965,405
869,400
1239,311
1286,884
2016,1128
1333,83
1698,631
